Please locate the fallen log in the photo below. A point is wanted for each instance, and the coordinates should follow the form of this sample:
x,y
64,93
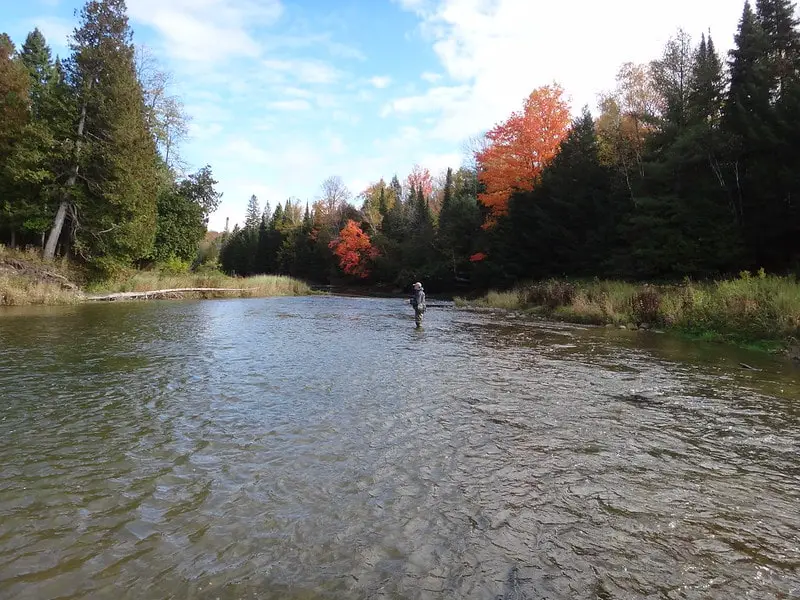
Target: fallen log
x,y
153,294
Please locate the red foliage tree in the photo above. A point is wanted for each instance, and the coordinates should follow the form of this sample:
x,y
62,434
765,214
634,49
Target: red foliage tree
x,y
354,250
520,148
420,177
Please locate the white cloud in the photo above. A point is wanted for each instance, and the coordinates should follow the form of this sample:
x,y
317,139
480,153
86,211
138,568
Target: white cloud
x,y
304,70
290,105
434,100
501,50
337,145
206,30
56,31
431,77
380,82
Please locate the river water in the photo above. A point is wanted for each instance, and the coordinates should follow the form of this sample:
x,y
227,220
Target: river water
x,y
323,448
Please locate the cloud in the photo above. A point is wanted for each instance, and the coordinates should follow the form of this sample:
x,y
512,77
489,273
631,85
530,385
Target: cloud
x,y
304,70
499,51
380,82
290,105
206,31
56,31
434,100
431,77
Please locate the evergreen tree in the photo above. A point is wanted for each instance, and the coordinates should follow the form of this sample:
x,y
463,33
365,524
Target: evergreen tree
x,y
253,217
747,106
383,207
37,59
113,207
564,226
779,26
706,87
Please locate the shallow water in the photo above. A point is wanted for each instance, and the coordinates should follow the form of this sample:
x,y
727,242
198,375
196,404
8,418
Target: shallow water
x,y
323,448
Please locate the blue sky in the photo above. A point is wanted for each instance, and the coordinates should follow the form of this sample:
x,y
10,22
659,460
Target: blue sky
x,y
283,94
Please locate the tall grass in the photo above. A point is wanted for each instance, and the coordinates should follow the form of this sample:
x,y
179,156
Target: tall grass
x,y
26,279
259,285
750,307
20,290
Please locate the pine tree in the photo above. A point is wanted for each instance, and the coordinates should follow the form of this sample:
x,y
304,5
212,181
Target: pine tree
x,y
253,217
396,189
779,26
37,59
383,207
112,208
706,88
747,107
565,225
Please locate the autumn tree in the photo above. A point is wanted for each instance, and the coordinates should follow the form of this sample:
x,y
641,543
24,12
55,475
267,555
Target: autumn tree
x,y
354,250
521,147
14,115
420,179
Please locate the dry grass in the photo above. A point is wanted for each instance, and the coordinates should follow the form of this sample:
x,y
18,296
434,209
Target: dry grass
x,y
26,279
20,290
747,308
259,285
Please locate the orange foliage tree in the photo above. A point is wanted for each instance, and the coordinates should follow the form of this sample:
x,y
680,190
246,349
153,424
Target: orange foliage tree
x,y
518,149
354,249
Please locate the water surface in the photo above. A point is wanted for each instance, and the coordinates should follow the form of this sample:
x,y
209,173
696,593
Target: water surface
x,y
323,448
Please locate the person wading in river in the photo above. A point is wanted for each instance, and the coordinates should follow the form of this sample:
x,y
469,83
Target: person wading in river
x,y
418,302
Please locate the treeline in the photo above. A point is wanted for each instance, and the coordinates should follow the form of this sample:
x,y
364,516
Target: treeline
x,y
691,168
401,232
88,151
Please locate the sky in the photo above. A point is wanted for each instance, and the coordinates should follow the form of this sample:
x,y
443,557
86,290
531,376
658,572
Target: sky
x,y
285,93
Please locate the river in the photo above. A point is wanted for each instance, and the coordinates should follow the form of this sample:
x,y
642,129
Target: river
x,y
322,447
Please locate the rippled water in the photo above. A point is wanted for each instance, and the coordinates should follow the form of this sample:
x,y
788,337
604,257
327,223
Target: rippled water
x,y
323,448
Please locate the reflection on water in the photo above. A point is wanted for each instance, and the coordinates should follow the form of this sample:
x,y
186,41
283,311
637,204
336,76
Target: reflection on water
x,y
324,448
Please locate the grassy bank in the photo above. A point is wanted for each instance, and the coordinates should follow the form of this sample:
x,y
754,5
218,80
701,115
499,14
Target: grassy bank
x,y
752,309
258,285
26,279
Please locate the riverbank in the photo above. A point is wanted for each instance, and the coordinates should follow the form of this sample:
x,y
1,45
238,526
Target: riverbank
x,y
25,279
760,311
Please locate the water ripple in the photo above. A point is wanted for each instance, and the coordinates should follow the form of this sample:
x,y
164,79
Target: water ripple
x,y
323,448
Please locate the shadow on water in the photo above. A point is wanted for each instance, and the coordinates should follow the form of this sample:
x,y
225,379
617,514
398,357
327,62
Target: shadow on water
x,y
325,448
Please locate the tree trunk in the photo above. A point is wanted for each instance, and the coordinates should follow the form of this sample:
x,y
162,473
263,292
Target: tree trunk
x,y
13,239
61,213
58,224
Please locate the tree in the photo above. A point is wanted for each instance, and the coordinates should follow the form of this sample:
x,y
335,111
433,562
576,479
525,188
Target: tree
x,y
420,179
354,250
36,57
183,210
521,147
165,114
334,197
199,188
14,103
565,225
113,207
253,216
706,86
779,26
672,77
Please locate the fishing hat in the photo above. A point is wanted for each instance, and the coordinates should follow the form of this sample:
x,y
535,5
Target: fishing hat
x,y
418,286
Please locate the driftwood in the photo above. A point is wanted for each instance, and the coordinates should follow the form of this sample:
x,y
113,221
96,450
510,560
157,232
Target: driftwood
x,y
154,294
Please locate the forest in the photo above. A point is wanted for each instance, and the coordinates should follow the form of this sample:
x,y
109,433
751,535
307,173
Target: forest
x,y
689,169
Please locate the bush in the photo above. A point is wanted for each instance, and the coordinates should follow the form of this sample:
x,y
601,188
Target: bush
x,y
646,305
